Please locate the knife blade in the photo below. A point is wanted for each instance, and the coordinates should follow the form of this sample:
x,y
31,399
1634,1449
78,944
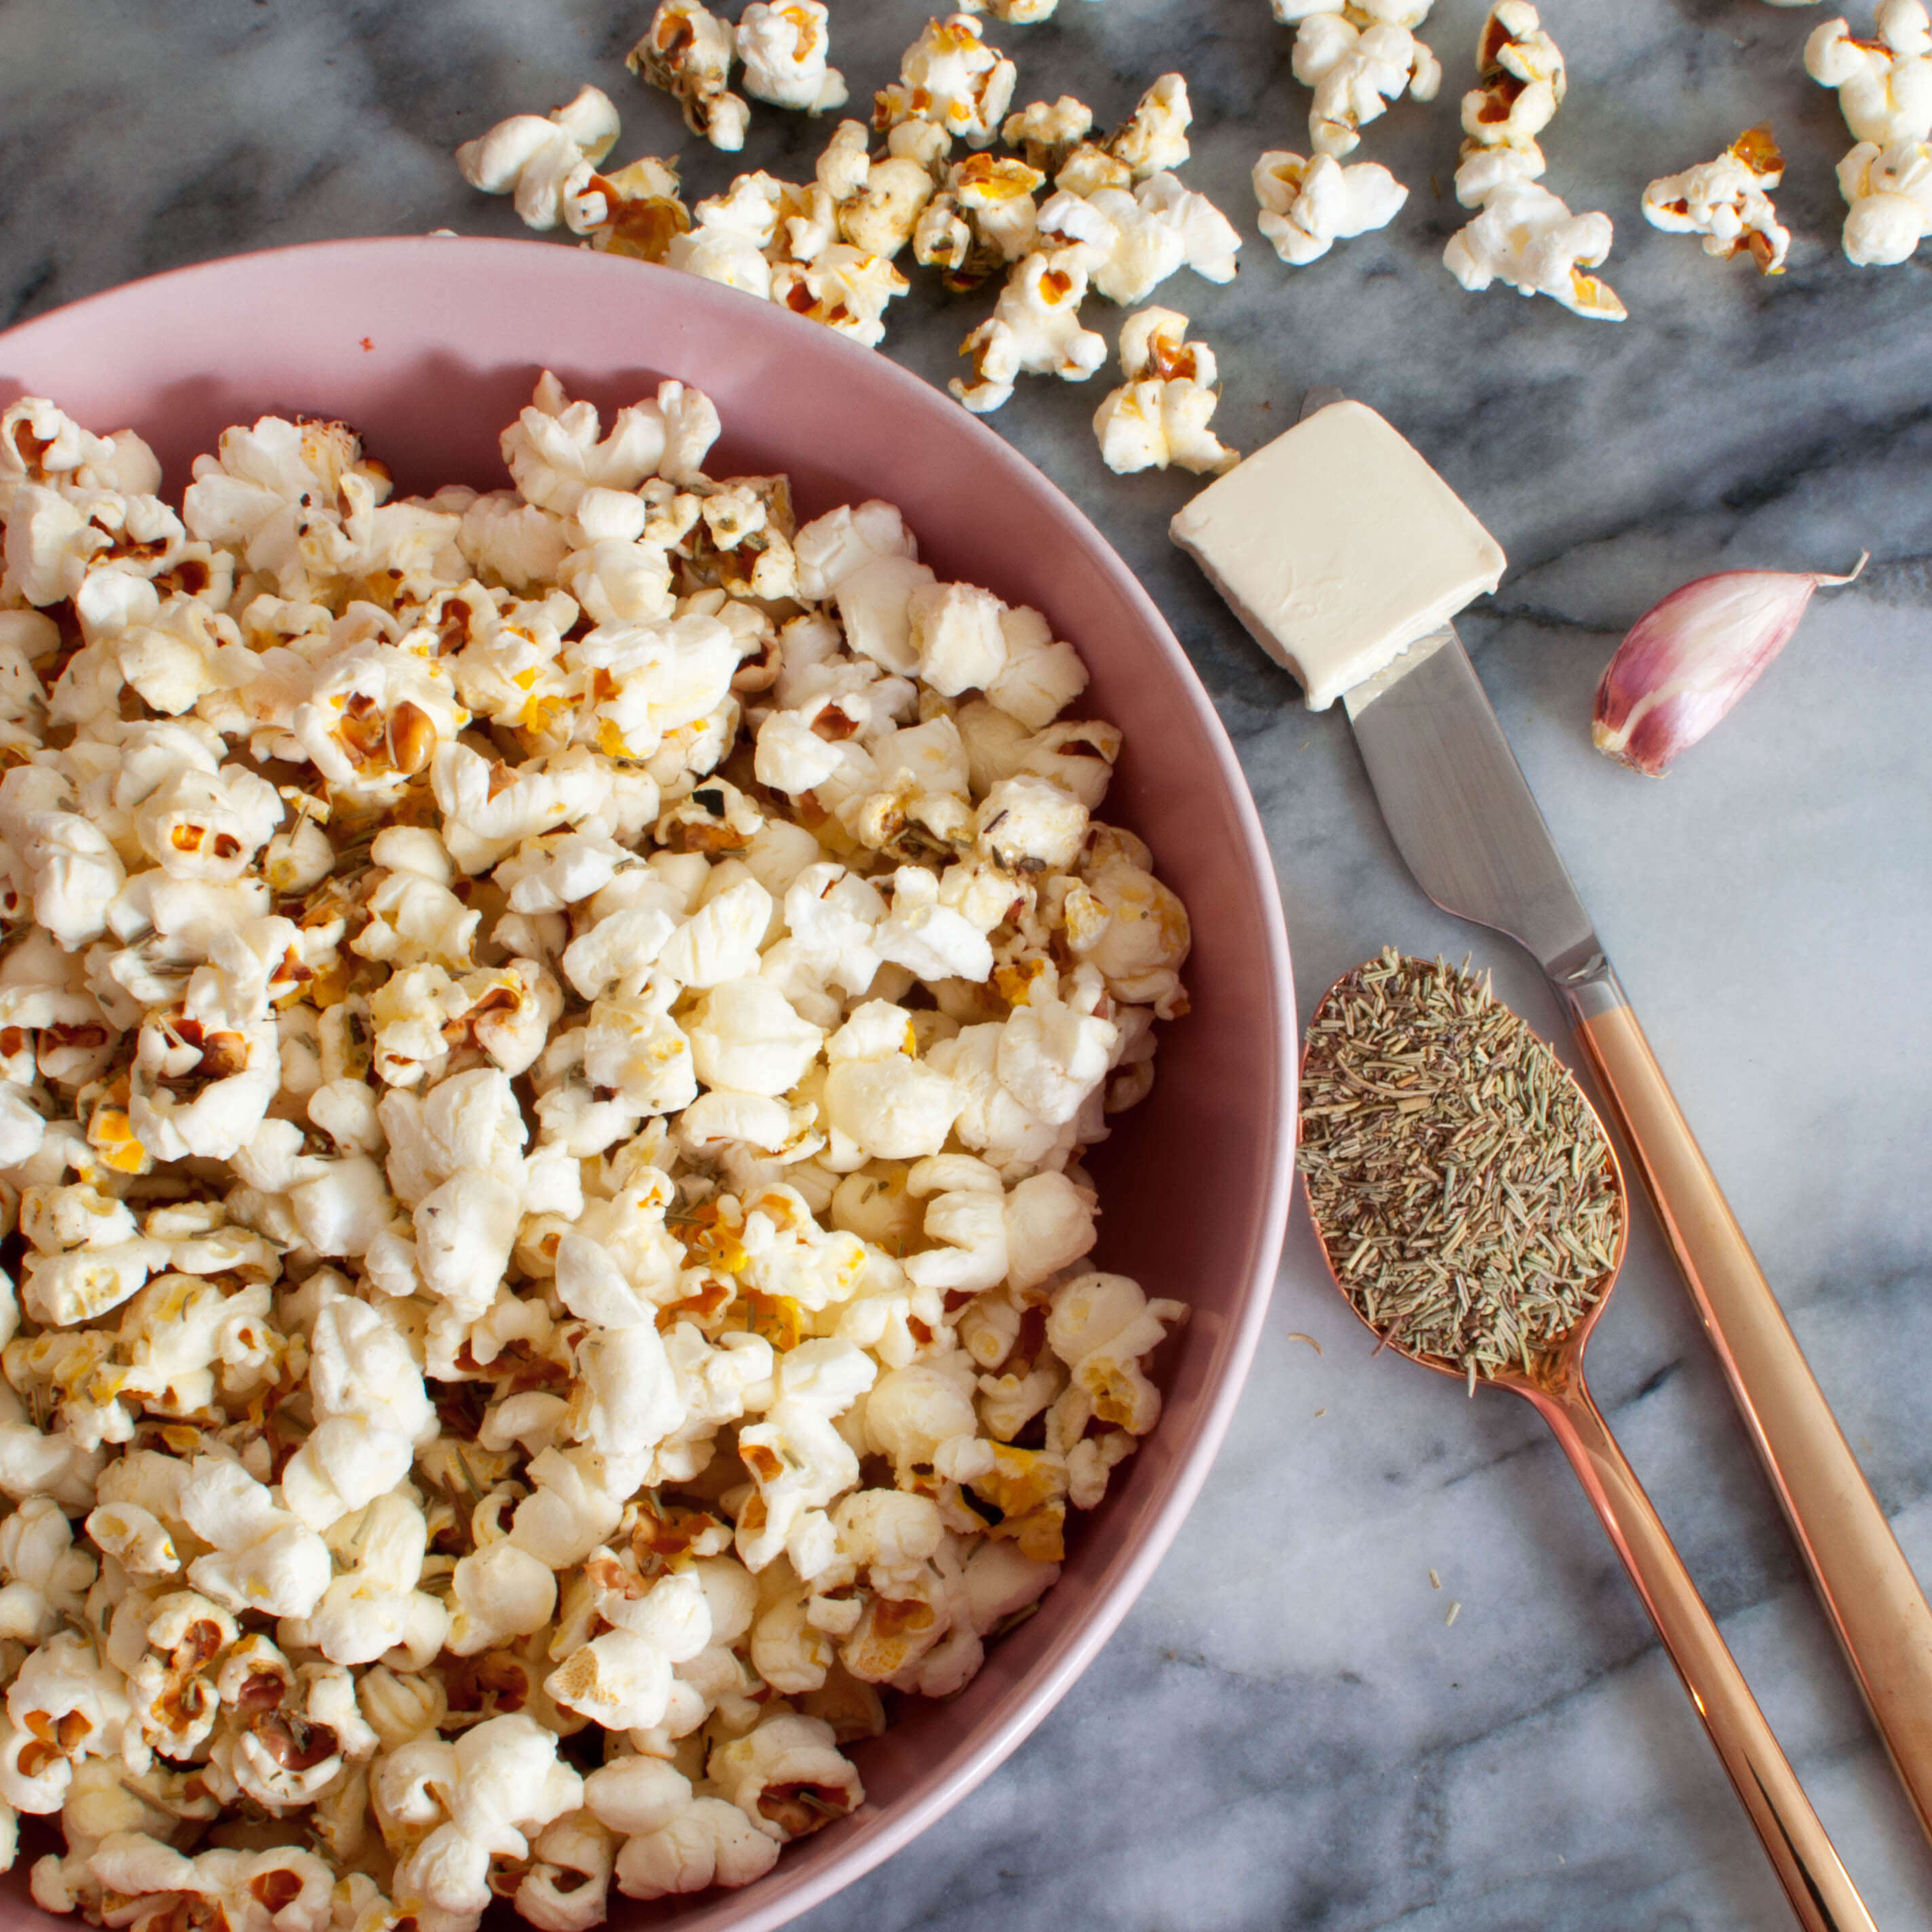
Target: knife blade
x,y
1459,808
1463,816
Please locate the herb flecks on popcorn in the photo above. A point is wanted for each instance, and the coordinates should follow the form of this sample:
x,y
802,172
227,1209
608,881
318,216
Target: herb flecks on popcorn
x,y
547,1039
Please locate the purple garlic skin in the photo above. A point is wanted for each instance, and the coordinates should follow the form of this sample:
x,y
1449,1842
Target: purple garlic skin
x,y
1688,659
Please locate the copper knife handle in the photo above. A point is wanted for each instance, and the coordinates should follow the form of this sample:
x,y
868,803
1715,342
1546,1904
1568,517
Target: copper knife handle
x,y
1868,1589
1808,1867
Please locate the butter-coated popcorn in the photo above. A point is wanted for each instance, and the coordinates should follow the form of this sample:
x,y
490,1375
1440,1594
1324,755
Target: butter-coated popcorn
x,y
548,1036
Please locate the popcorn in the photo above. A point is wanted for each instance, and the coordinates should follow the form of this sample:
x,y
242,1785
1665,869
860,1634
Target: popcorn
x,y
1726,201
708,1843
641,213
845,288
1357,61
1101,1326
1527,238
688,52
1034,329
748,1038
1523,80
547,162
1154,136
1525,235
1018,13
950,77
371,1414
786,1777
1889,191
1884,85
499,1785
262,1557
783,49
367,1448
1160,415
282,1890
46,1577
1309,205
1130,244
567,1888
623,1680
798,1461
879,1094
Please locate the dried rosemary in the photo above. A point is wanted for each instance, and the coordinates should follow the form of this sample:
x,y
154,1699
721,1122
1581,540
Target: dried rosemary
x,y
1460,1183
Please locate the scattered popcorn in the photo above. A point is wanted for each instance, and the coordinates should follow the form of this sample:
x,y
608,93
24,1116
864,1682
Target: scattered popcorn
x,y
1727,202
1160,415
1309,205
1525,235
1047,131
783,49
1884,84
546,163
985,217
1358,59
1154,137
1034,329
1130,243
1522,80
1884,90
547,1039
1889,194
950,78
688,52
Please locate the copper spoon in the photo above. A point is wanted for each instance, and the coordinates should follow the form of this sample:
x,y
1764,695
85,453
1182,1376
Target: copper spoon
x,y
1814,1878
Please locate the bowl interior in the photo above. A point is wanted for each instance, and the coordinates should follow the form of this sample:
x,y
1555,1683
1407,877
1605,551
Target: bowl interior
x,y
429,347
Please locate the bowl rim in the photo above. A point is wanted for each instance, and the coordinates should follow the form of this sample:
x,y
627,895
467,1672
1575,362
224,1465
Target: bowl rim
x,y
767,1905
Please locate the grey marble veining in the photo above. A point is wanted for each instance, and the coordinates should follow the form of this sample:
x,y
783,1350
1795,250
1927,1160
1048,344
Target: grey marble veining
x,y
1284,1733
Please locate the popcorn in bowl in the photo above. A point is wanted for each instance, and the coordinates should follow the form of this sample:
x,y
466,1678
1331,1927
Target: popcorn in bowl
x,y
549,1036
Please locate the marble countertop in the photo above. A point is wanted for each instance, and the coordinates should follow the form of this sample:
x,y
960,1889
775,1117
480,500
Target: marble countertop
x,y
1287,1730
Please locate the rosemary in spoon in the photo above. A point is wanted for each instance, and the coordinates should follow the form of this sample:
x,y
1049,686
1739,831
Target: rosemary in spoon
x,y
1458,1181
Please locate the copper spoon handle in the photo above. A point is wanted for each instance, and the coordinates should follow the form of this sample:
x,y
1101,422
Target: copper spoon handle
x,y
1821,1891
1868,1589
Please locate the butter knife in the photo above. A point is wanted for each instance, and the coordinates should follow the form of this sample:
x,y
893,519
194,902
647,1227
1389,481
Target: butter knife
x,y
1463,818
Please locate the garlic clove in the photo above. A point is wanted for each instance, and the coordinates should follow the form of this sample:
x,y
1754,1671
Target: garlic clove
x,y
1688,659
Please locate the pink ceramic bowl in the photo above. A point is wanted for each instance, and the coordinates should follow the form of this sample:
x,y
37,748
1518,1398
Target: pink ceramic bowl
x,y
430,346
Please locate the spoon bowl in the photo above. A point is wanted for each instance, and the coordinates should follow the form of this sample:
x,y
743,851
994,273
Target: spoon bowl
x,y
1820,1891
1559,1365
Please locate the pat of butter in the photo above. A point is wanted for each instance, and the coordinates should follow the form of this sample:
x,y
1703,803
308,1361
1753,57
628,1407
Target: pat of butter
x,y
1338,547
